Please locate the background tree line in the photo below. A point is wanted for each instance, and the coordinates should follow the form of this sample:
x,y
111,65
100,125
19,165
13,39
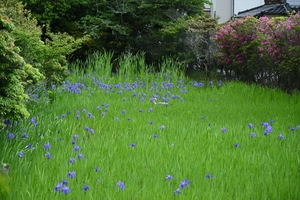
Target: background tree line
x,y
157,27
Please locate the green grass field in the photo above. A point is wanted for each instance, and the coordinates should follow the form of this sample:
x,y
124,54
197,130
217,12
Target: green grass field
x,y
103,137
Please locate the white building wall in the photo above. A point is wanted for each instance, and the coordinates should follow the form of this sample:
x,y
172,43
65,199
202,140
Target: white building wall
x,y
293,2
225,9
222,9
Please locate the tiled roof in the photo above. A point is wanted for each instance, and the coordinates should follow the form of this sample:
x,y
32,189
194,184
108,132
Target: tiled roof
x,y
274,9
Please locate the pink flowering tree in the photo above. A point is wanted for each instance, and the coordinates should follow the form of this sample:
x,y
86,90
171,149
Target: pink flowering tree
x,y
289,62
280,50
238,47
265,51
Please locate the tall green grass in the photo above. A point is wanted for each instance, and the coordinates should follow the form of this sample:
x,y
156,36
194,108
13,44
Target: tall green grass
x,y
140,143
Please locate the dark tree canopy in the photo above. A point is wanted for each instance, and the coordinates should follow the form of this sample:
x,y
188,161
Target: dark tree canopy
x,y
121,25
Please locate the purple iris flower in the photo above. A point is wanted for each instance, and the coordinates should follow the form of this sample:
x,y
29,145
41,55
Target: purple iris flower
x,y
280,136
85,187
64,182
75,136
47,146
132,144
76,148
253,134
121,185
177,191
90,115
209,176
47,154
80,156
184,183
72,174
58,187
224,130
72,160
169,177
21,154
65,190
11,136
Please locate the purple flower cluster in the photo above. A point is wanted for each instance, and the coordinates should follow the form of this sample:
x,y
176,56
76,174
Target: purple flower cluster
x,y
183,184
48,155
208,176
250,125
72,174
224,130
73,88
196,84
280,136
268,128
169,177
11,136
62,187
33,121
120,185
47,146
89,129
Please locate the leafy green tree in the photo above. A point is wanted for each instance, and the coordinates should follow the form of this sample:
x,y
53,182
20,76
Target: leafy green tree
x,y
122,26
197,32
49,56
26,60
15,75
132,25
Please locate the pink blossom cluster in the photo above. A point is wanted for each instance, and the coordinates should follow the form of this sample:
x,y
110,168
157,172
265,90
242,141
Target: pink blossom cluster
x,y
264,44
233,37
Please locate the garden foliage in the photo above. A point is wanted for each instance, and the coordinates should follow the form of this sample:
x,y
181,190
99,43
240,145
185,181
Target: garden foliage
x,y
25,59
263,50
15,75
197,47
199,40
49,56
122,26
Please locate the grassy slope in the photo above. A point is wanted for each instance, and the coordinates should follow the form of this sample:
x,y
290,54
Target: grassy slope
x,y
190,147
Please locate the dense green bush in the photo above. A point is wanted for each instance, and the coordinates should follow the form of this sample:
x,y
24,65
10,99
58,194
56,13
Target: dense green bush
x,y
49,56
25,59
196,34
15,75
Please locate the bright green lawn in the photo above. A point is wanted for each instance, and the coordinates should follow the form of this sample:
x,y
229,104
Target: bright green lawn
x,y
192,146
